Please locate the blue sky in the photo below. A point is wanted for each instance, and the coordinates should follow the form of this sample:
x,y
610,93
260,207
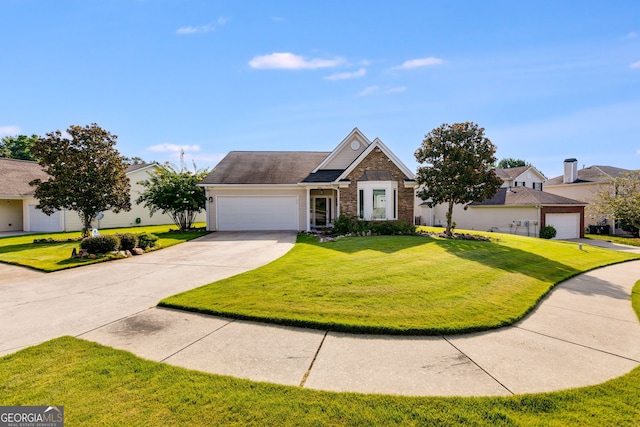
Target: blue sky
x,y
547,80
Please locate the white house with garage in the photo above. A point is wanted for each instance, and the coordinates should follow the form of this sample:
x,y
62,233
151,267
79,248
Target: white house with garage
x,y
306,190
519,207
19,212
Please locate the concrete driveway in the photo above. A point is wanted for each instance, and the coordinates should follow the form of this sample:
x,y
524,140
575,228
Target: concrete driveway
x,y
36,307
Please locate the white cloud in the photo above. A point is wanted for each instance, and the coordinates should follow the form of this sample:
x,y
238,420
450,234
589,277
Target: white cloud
x,y
631,35
173,148
397,89
369,90
277,19
289,61
202,28
347,75
420,62
383,90
635,65
9,130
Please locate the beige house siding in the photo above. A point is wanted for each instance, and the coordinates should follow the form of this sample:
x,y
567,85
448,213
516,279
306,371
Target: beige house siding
x,y
486,218
584,192
346,155
247,191
10,215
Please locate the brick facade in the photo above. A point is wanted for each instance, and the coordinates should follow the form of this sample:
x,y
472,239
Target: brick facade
x,y
377,160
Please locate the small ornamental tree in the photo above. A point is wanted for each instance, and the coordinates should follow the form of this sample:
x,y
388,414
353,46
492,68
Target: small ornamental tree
x,y
458,168
175,192
622,202
86,172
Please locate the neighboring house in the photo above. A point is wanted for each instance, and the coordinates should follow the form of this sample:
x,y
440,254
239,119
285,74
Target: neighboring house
x,y
522,176
18,210
584,185
519,207
299,190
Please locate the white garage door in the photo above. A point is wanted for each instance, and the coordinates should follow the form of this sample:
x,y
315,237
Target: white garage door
x,y
39,221
567,225
257,213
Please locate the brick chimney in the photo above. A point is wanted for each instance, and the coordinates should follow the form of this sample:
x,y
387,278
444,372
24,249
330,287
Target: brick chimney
x,y
570,171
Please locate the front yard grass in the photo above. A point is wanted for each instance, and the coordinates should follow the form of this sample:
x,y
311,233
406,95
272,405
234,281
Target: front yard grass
x,y
399,284
20,250
623,240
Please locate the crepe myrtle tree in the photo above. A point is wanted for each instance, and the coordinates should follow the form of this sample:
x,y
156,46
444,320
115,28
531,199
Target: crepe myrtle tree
x,y
86,173
175,191
622,201
457,169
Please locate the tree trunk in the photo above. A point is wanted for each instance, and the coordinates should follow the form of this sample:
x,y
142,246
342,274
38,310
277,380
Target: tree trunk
x,y
448,231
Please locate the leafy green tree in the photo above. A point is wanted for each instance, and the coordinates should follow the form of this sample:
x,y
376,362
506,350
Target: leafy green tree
x,y
622,202
175,191
87,174
459,168
18,147
510,162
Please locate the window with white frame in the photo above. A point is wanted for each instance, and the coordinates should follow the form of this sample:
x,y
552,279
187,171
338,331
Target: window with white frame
x,y
378,200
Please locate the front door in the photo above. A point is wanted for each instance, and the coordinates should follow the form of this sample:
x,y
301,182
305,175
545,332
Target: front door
x,y
321,215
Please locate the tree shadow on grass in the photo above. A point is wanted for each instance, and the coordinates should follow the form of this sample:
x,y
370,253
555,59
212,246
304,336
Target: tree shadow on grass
x,y
385,244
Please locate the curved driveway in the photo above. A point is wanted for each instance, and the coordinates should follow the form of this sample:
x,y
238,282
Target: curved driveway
x,y
584,332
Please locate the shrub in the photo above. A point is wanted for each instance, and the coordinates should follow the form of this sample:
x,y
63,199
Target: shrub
x,y
101,244
548,232
146,240
128,241
385,228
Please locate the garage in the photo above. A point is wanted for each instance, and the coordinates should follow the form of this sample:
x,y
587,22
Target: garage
x,y
567,225
250,213
39,221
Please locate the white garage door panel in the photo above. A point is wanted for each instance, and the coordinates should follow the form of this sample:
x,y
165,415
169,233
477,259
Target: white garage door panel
x,y
257,213
39,221
567,225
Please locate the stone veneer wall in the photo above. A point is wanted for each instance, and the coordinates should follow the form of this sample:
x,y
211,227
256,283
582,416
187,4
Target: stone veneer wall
x,y
377,160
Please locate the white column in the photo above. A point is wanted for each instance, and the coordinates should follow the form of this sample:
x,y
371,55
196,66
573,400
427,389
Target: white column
x,y
308,206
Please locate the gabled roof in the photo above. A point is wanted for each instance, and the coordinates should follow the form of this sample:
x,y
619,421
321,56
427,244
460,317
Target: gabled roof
x,y
592,174
507,174
524,196
324,175
264,167
15,176
377,144
140,166
355,134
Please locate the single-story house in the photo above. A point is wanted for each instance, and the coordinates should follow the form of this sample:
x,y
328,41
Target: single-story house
x,y
18,211
584,185
301,190
519,207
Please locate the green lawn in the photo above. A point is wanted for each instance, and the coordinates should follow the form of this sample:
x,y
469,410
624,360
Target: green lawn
x,y
20,250
623,240
399,284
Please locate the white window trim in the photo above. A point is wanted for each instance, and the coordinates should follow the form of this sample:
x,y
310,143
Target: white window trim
x,y
391,189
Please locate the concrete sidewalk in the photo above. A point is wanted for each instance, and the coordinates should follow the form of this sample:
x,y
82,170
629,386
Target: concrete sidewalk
x,y
584,332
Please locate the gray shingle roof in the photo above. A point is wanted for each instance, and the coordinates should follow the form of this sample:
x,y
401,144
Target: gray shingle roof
x,y
510,173
265,167
594,174
524,196
15,176
324,175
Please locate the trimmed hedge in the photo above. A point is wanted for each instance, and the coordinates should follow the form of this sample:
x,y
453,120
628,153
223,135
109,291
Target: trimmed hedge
x,y
101,244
